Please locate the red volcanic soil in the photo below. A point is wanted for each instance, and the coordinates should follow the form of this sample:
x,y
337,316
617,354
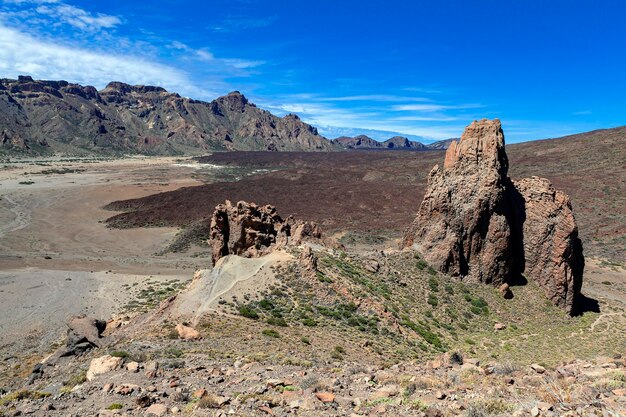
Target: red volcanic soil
x,y
381,190
362,190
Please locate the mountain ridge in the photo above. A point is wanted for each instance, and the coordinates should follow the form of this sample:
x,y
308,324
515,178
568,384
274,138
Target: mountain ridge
x,y
40,117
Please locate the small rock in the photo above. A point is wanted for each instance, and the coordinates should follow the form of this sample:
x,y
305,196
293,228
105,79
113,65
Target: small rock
x,y
505,291
325,397
440,395
187,333
534,412
132,366
200,393
499,326
538,368
266,410
156,410
102,365
151,366
372,266
143,401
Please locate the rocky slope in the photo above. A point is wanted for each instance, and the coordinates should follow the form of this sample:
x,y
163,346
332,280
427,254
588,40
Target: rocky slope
x,y
474,222
40,117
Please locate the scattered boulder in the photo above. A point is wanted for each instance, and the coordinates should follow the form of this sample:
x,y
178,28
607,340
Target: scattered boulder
x,y
102,365
83,333
505,291
187,333
156,410
538,368
132,366
325,397
499,326
477,224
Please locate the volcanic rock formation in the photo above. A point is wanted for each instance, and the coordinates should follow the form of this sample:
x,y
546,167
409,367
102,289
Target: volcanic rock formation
x,y
249,230
474,222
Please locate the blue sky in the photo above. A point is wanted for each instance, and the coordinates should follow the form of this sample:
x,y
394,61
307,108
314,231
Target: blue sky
x,y
420,68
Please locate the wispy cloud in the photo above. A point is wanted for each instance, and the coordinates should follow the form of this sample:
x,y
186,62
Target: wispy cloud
x,y
331,117
388,98
22,53
205,55
582,113
433,107
77,17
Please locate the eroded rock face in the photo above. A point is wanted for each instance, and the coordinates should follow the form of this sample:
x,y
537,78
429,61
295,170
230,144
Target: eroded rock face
x,y
552,249
474,222
464,226
249,230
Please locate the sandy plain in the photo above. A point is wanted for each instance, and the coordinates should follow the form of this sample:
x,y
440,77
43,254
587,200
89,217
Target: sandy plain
x,y
58,258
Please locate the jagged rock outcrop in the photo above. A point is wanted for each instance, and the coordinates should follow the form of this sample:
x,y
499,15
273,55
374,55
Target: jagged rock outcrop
x,y
474,222
463,226
83,333
249,230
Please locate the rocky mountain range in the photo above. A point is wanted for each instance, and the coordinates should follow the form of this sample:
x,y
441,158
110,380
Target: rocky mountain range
x,y
47,116
396,142
42,117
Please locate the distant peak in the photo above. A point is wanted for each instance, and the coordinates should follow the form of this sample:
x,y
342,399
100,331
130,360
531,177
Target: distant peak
x,y
127,88
233,101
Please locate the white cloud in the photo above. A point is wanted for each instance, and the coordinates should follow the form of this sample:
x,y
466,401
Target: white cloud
x,y
332,118
21,53
78,17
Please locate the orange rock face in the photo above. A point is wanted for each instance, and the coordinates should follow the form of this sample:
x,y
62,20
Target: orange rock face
x,y
552,249
249,230
475,223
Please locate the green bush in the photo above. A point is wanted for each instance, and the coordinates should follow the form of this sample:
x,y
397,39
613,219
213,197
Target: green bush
x,y
248,312
271,333
432,300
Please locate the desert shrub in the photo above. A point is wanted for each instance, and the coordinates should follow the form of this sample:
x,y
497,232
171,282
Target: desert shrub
x,y
75,379
172,352
115,406
305,340
208,401
271,333
248,312
307,321
120,354
432,300
277,321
